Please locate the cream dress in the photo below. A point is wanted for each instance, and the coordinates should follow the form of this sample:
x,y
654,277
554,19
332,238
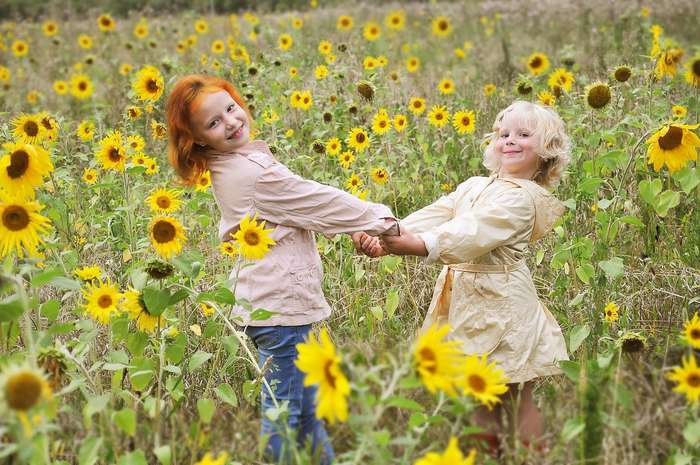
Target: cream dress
x,y
480,232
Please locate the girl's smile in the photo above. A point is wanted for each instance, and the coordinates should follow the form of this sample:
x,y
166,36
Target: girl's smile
x,y
219,123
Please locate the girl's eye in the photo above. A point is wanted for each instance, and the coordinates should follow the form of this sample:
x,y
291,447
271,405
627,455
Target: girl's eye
x,y
230,108
213,123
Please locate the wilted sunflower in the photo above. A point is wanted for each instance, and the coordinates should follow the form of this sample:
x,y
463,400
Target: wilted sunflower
x,y
23,168
320,362
523,86
21,225
137,311
81,86
380,175
85,130
164,200
441,26
631,342
482,380
673,145
148,84
598,95
381,123
28,128
622,73
253,239
101,300
106,23
537,63
111,152
365,89
167,236
438,362
358,139
562,78
692,73
346,159
688,379
438,116
416,105
464,121
23,387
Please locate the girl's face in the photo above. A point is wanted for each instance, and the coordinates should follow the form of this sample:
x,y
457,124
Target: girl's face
x,y
516,147
219,123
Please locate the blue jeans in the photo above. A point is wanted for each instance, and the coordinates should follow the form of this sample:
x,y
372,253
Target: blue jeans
x,y
287,382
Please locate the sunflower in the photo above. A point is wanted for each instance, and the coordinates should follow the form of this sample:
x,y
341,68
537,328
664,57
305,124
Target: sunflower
x,y
284,42
253,239
85,41
412,64
50,125
598,95
441,26
679,111
151,166
167,236
206,309
381,123
489,89
369,63
446,86
688,379
135,142
416,105
106,23
5,74
21,225
692,73
101,300
346,159
141,29
135,307
208,459
546,98
321,72
358,139
85,130
371,31
60,87
395,20
333,146
610,312
218,47
164,200
354,182
380,175
203,182
81,86
20,48
400,122
562,78
438,116
49,28
667,62
622,73
691,331
537,63
482,380
325,47
673,145
365,89
28,129
111,152
228,248
451,456
344,23
463,121
88,273
320,362
438,362
133,112
23,387
201,26
23,168
148,84
297,23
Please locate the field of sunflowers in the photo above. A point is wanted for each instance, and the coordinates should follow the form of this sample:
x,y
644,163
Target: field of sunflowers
x,y
116,342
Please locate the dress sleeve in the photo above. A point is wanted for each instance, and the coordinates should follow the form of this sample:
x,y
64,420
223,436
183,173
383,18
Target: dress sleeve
x,y
283,197
481,229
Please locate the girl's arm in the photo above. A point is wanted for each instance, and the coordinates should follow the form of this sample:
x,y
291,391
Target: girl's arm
x,y
285,198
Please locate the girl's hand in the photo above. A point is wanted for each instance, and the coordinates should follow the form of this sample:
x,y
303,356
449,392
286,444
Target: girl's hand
x,y
405,244
367,244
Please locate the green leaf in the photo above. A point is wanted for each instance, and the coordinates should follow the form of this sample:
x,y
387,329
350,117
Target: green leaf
x,y
50,309
577,335
61,282
206,409
180,295
125,419
649,190
226,393
571,369
688,178
691,433
11,309
156,300
572,428
45,277
142,373
175,350
221,295
89,451
261,314
198,359
590,185
633,220
666,201
585,272
164,454
95,404
381,438
402,402
417,419
577,300
136,457
377,312
392,303
230,344
613,268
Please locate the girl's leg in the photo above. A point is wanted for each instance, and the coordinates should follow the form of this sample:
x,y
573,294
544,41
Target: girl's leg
x,y
490,422
525,419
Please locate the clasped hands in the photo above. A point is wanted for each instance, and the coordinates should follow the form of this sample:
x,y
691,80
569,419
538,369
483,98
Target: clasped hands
x,y
405,244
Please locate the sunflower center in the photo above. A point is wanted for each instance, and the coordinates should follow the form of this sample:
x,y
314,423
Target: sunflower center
x,y
31,128
672,138
105,301
82,85
163,202
345,22
251,238
382,124
536,62
438,116
106,22
15,218
694,380
114,154
477,383
360,138
23,391
696,68
442,25
429,359
152,86
695,333
163,232
19,162
466,121
330,378
46,123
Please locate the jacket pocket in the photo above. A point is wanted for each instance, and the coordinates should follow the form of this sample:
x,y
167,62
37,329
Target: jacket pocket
x,y
306,284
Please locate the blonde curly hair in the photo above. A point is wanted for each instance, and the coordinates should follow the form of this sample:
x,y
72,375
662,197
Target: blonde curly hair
x,y
554,145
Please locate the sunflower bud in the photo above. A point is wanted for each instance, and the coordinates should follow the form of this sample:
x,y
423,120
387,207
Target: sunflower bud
x,y
598,95
366,90
327,117
622,73
159,270
318,147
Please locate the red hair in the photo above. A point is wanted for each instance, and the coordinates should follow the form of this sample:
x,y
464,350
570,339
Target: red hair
x,y
188,158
